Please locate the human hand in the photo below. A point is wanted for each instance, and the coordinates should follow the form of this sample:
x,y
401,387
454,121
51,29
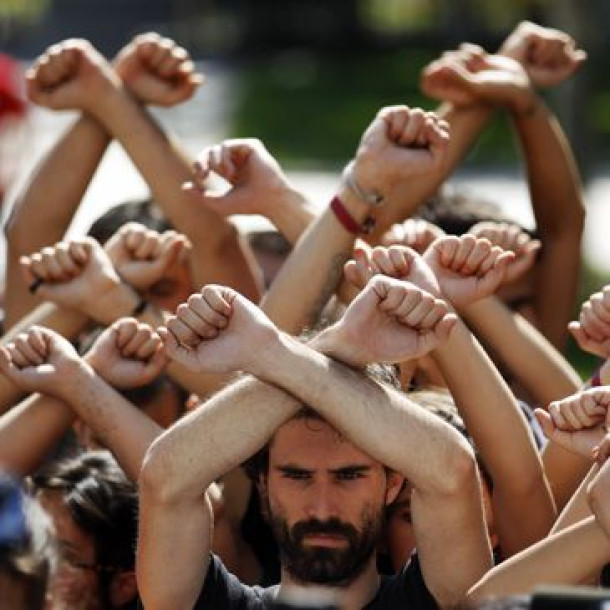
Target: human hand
x,y
76,274
578,422
127,354
479,78
415,233
510,237
467,268
40,360
549,56
142,256
598,490
400,143
257,182
70,75
592,330
398,262
157,71
389,321
218,331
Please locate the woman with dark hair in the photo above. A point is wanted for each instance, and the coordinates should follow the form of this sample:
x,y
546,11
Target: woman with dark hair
x,y
93,507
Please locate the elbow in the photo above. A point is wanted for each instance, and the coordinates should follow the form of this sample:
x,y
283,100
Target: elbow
x,y
16,232
158,479
459,473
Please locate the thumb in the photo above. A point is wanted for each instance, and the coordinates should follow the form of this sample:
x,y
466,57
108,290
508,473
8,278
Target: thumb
x,y
445,327
545,421
494,277
224,204
585,343
172,349
7,367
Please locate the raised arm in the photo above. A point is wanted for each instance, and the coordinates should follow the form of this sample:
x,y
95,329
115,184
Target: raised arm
x,y
154,70
465,269
528,356
45,207
400,143
203,446
219,254
257,186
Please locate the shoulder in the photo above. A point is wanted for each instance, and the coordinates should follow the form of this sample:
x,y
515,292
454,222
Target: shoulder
x,y
407,589
222,589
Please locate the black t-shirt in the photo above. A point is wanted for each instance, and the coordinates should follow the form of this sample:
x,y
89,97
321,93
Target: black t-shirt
x,y
223,591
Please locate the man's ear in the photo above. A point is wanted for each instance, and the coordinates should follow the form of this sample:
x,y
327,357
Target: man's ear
x,y
123,588
394,484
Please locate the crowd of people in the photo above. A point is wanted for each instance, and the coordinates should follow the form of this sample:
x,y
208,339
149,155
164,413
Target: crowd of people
x,y
370,408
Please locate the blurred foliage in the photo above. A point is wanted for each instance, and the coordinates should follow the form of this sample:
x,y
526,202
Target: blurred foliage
x,y
25,11
311,108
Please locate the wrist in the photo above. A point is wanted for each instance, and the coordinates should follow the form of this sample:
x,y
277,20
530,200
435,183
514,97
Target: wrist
x,y
267,359
332,343
76,374
366,193
290,212
354,215
118,302
525,107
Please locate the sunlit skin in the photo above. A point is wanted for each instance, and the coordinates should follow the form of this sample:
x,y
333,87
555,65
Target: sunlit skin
x,y
316,474
400,537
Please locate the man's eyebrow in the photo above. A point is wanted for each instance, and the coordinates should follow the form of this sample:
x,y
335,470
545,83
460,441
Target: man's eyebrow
x,y
355,469
292,468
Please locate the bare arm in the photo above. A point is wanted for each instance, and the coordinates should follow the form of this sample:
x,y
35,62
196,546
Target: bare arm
x,y
155,71
218,254
30,431
400,144
257,186
556,195
528,355
521,494
174,515
568,557
435,449
44,210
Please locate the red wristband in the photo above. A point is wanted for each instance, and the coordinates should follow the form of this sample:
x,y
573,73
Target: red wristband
x,y
346,219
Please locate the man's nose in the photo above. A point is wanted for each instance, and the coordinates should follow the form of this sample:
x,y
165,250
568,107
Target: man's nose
x,y
322,502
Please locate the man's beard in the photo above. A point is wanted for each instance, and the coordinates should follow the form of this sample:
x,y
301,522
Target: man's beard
x,y
338,567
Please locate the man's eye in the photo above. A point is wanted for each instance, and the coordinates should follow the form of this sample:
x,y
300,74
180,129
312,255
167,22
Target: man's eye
x,y
296,475
349,475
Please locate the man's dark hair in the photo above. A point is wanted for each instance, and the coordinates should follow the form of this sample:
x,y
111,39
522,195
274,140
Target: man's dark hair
x,y
455,212
258,464
145,211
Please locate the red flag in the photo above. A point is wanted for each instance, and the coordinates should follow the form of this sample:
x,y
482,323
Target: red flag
x,y
12,102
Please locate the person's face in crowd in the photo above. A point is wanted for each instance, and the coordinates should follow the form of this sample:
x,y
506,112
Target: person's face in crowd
x,y
75,585
174,288
326,502
519,295
400,533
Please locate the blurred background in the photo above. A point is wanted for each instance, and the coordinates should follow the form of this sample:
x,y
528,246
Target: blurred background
x,y
306,76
